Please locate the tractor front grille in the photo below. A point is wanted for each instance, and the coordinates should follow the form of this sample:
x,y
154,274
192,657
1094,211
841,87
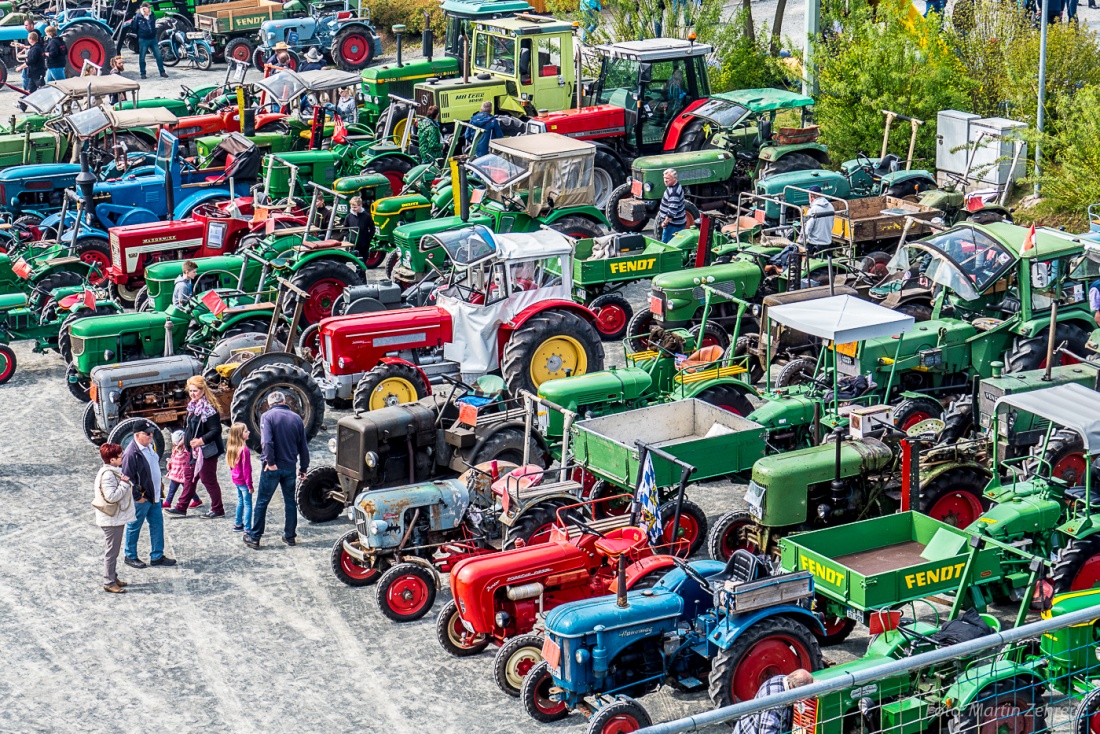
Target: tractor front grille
x,y
361,521
349,452
77,345
401,240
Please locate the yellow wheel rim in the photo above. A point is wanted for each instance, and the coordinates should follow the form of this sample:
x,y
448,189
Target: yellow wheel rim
x,y
558,356
392,391
399,129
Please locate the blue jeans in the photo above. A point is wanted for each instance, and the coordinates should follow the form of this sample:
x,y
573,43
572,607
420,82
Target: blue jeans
x,y
53,75
146,511
244,507
145,45
670,230
269,481
26,81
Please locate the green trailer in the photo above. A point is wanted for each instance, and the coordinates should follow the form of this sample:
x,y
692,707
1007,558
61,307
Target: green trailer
x,y
233,25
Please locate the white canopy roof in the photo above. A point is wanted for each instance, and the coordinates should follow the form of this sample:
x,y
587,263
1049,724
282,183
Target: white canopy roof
x,y
532,245
101,86
841,319
1071,405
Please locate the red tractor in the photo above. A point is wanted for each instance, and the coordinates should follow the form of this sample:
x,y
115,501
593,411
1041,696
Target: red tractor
x,y
506,307
499,599
225,120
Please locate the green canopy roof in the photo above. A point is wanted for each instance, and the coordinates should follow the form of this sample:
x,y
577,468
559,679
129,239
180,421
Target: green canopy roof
x,y
766,100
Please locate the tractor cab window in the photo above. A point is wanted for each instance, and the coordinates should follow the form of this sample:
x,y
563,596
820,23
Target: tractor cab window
x,y
618,83
502,55
549,61
525,61
464,246
973,261
531,275
452,41
88,122
164,154
664,95
499,171
481,51
1057,280
44,100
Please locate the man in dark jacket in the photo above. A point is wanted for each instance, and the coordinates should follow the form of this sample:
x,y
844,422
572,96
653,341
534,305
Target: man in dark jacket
x,y
144,27
57,55
35,63
489,126
360,227
283,440
141,463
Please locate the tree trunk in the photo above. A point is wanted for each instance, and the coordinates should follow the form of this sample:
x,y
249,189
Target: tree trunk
x,y
777,27
750,30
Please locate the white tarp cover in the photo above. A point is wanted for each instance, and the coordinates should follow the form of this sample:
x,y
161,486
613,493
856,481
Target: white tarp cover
x,y
841,319
541,243
1071,405
77,86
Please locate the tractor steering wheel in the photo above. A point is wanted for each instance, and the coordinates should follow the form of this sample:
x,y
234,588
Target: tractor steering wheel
x,y
864,161
186,91
575,519
458,383
692,573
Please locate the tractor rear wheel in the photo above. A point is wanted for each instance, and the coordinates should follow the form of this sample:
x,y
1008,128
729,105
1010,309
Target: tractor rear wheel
x,y
535,695
87,41
611,211
742,348
692,530
729,534
91,426
1031,354
613,314
142,302
123,434
394,169
694,137
550,345
96,252
453,637
45,287
352,49
796,372
713,336
387,385
506,445
638,330
1065,457
303,396
619,717
577,227
1016,705
532,527
324,281
955,497
347,569
314,495
773,646
727,397
7,363
607,174
406,592
1078,565
837,630
514,660
239,49
309,343
912,411
1086,720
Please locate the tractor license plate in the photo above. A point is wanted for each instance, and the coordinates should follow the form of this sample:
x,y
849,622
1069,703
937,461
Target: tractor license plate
x,y
636,188
755,499
542,418
855,614
847,348
656,306
551,653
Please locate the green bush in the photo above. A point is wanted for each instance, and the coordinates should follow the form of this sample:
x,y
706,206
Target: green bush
x,y
1071,157
387,14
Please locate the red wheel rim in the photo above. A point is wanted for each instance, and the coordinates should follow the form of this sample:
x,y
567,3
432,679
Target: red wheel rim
x,y
86,48
610,319
241,53
956,508
1065,360
686,535
322,294
407,595
542,700
710,341
375,258
396,179
587,482
523,667
541,535
1094,723
1017,717
620,724
615,507
354,49
1070,467
1088,576
834,625
735,539
729,408
914,419
354,570
772,656
312,345
6,366
100,261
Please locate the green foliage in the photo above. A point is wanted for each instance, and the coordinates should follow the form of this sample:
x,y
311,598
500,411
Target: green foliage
x,y
409,12
742,61
1072,154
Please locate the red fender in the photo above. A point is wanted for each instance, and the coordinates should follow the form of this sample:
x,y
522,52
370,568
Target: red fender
x,y
504,333
681,121
640,568
398,360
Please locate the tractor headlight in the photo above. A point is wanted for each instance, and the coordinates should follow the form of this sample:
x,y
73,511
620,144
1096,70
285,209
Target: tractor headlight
x,y
108,355
113,396
582,656
647,186
271,36
502,619
866,705
377,527
332,445
371,459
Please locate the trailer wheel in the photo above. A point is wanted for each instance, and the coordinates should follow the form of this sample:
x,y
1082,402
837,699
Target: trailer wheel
x,y
7,363
773,646
692,531
386,385
1031,354
347,569
729,534
87,41
91,425
550,345
1065,456
533,526
314,495
728,398
352,49
324,281
912,411
955,497
123,434
535,695
406,592
1016,705
621,716
453,637
796,372
613,314
1086,720
79,387
303,396
239,49
96,252
1078,565
611,211
514,660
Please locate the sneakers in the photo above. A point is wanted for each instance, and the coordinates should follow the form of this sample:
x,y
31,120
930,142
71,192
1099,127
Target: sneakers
x,y
290,541
134,562
177,513
142,76
211,515
196,502
163,561
166,504
251,542
164,74
238,528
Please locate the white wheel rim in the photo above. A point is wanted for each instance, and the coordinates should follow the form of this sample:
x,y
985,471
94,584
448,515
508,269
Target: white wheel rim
x,y
511,671
602,181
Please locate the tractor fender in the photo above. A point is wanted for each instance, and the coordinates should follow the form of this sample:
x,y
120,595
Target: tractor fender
x,y
904,177
817,151
407,363
540,441
443,198
87,20
965,690
221,325
355,184
535,309
742,387
264,118
424,563
589,212
328,254
187,205
732,626
262,360
939,469
117,215
1040,322
640,568
676,127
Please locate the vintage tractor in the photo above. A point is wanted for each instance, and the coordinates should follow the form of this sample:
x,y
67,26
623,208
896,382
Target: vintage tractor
x,y
729,627
347,41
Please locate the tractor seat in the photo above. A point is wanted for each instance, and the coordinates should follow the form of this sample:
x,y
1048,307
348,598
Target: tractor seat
x,y
324,245
523,477
745,224
888,164
1077,494
702,357
741,568
622,540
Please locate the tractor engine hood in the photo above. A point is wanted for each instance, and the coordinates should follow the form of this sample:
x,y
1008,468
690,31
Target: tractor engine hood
x,y
352,344
788,474
653,609
597,388
782,412
586,123
926,337
445,501
738,278
156,371
113,325
1020,517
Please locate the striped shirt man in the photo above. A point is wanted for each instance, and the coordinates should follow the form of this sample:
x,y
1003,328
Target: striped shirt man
x,y
672,216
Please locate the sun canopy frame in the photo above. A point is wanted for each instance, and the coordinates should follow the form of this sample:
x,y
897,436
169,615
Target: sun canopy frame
x,y
841,319
1070,405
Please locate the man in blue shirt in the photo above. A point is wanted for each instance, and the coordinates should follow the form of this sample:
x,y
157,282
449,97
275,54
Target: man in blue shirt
x,y
488,124
284,444
141,463
144,27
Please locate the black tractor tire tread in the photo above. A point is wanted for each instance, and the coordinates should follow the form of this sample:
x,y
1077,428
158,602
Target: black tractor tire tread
x,y
337,569
43,288
530,522
793,370
619,301
64,340
515,365
254,387
719,529
507,445
126,427
80,390
1063,442
690,509
611,211
578,227
1070,560
725,663
913,405
338,39
505,652
360,400
442,634
961,479
315,271
616,171
527,696
965,721
792,162
726,395
714,331
640,325
234,43
693,137
91,426
78,30
310,497
621,706
1029,354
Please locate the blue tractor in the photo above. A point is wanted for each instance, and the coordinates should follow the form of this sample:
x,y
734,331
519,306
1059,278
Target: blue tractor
x,y
729,627
349,42
86,37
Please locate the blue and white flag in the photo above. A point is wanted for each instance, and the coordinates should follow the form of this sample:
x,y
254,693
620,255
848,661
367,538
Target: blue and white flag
x,y
649,504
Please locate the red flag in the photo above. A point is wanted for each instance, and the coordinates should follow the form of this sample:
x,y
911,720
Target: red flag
x,y
89,299
1029,241
21,268
214,302
339,132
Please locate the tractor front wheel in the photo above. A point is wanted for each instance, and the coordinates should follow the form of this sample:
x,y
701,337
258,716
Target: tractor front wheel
x,y
796,372
1065,458
64,339
455,638
729,534
7,363
611,211
91,426
44,288
619,717
406,592
303,396
773,646
613,314
347,569
1086,720
394,169
96,252
1078,565
80,387
912,411
1016,705
535,695
314,495
550,345
514,660
387,385
607,174
691,533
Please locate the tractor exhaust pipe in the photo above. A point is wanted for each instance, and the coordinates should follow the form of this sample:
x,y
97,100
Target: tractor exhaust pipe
x,y
463,194
465,60
85,184
399,34
427,38
1050,340
620,586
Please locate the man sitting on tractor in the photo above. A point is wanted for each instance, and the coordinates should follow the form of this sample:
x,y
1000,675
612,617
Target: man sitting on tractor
x,y
185,284
816,234
777,720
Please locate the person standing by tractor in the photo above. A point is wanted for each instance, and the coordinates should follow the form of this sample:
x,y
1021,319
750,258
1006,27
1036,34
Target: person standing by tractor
x,y
314,61
278,61
777,720
360,228
816,233
142,465
144,26
57,55
185,284
283,439
35,65
490,128
21,49
113,492
429,137
203,432
672,215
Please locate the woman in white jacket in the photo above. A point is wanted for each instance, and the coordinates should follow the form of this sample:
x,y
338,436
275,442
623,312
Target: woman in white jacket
x,y
112,486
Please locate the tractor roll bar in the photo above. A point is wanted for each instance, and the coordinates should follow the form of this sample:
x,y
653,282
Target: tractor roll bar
x,y
530,403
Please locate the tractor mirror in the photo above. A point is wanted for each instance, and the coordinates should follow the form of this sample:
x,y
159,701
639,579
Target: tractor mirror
x,y
765,127
645,73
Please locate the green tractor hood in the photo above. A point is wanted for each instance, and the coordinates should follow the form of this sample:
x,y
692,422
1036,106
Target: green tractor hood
x,y
619,384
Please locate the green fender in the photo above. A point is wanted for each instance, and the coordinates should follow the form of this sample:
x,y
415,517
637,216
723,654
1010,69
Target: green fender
x,y
589,212
965,690
443,200
80,267
938,470
694,389
1038,325
817,151
352,185
906,177
333,254
220,325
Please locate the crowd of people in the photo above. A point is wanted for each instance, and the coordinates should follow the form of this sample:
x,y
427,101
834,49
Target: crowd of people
x,y
132,488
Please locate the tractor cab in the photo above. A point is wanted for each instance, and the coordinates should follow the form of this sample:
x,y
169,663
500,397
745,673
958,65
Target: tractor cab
x,y
460,16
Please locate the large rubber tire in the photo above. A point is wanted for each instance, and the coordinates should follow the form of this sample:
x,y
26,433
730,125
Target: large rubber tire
x,y
613,314
796,372
532,527
389,262
1086,719
245,326
506,445
773,646
90,425
911,411
1017,705
693,528
727,397
693,137
239,49
792,162
578,227
611,211
742,349
1078,565
514,660
535,696
303,396
837,630
43,288
713,336
955,497
919,311
393,169
223,349
324,281
142,302
1065,457
730,534
451,635
618,717
81,388
312,495
87,41
96,251
549,345
309,343
902,190
387,385
608,174
639,326
352,49
1031,354
8,363
344,566
406,592
64,340
123,434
